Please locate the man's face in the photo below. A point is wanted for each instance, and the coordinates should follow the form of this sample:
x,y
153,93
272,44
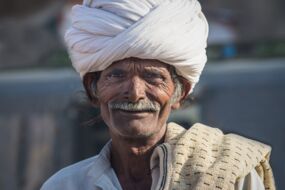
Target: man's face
x,y
134,96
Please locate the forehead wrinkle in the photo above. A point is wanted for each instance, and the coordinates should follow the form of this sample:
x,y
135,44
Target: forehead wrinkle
x,y
130,63
136,64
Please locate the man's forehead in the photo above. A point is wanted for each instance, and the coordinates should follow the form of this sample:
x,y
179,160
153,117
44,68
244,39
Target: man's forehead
x,y
136,63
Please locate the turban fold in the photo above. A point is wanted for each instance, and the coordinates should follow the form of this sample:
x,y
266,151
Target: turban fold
x,y
171,31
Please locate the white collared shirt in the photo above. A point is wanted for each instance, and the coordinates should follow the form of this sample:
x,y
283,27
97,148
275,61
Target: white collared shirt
x,y
96,173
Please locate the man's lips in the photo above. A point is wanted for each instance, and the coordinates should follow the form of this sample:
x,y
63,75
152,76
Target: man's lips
x,y
134,113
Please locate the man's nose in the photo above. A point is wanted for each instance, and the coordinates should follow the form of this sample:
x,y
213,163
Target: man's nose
x,y
135,89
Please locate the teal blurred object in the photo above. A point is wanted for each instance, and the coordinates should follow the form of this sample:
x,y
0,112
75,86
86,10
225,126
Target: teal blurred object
x,y
229,51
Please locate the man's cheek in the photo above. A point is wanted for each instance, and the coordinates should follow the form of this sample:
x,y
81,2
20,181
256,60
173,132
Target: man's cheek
x,y
104,113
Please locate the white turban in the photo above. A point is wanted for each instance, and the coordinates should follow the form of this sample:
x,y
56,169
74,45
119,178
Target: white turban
x,y
172,31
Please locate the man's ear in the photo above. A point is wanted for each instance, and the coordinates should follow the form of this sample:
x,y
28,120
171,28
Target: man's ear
x,y
186,87
88,80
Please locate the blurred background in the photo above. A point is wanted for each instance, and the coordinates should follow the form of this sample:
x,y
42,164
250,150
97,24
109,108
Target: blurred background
x,y
45,116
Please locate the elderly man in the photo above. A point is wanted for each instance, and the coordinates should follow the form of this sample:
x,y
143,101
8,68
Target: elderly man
x,y
139,59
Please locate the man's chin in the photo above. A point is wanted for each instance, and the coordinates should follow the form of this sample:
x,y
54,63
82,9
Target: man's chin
x,y
136,128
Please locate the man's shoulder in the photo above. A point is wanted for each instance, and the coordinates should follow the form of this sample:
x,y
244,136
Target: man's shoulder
x,y
73,176
215,136
202,141
230,139
212,155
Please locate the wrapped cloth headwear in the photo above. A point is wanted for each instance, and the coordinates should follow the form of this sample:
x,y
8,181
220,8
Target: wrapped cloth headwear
x,y
171,31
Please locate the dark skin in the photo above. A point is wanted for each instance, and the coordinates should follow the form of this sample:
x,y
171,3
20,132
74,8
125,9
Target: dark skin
x,y
135,134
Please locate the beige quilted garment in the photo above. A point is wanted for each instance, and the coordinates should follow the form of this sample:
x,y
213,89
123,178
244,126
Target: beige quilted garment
x,y
206,159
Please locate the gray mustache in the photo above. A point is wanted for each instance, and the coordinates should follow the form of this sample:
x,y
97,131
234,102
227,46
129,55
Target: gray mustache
x,y
144,105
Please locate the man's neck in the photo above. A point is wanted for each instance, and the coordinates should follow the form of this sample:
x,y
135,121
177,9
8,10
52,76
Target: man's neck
x,y
130,160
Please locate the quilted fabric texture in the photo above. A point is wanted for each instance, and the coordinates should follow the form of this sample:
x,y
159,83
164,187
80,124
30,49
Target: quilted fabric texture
x,y
206,159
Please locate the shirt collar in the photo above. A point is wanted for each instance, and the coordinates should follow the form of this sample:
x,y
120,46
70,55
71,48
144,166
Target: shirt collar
x,y
102,163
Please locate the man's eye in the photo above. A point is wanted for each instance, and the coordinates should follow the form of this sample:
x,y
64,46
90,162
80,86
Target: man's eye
x,y
115,75
153,77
